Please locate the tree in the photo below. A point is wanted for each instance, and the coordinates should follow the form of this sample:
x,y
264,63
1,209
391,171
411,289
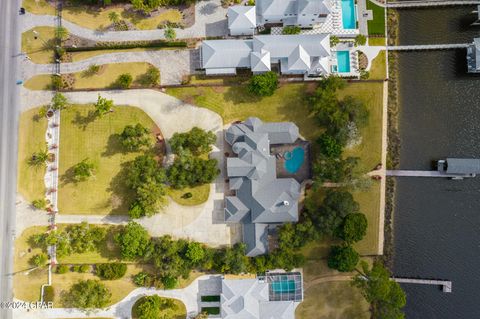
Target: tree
x,y
170,33
40,203
39,158
88,294
38,260
334,40
336,170
83,170
124,81
59,102
385,295
113,17
62,33
353,228
232,260
111,271
263,84
133,240
335,206
195,252
360,39
196,141
135,137
152,76
154,307
329,146
103,106
343,258
169,282
191,171
291,29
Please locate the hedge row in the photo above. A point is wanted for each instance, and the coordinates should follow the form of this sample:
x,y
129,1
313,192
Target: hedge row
x,y
129,45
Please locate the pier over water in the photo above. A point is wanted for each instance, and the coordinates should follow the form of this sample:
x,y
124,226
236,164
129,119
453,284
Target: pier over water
x,y
446,284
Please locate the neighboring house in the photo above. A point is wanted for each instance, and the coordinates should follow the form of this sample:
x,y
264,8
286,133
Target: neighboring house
x,y
473,56
261,199
273,296
241,20
294,54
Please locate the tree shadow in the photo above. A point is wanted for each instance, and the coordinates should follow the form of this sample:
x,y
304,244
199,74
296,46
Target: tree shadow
x,y
68,177
114,146
240,94
83,121
122,195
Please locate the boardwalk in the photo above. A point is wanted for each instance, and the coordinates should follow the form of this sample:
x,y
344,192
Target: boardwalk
x,y
430,3
446,284
428,47
415,173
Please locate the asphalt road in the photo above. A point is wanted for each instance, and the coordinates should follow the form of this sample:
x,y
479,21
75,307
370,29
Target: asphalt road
x,y
9,115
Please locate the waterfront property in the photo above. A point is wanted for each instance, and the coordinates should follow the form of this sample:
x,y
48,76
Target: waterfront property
x,y
274,295
260,200
473,56
454,168
349,20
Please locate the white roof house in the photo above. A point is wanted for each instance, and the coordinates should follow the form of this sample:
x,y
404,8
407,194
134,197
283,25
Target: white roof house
x,y
242,20
296,54
304,13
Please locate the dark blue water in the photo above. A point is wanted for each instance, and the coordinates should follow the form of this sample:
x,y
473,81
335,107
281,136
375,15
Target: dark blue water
x,y
437,221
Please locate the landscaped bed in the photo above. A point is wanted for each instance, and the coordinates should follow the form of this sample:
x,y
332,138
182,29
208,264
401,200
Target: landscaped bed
x,y
105,78
98,18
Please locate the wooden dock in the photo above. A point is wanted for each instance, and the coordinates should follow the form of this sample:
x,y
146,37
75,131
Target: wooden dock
x,y
412,173
424,47
430,3
446,284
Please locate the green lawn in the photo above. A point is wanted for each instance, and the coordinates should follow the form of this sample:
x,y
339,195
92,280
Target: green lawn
x,y
377,25
378,70
32,131
82,137
38,49
199,195
105,78
179,311
376,41
98,19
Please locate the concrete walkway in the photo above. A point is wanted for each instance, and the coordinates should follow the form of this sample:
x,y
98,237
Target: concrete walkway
x,y
203,223
173,64
190,296
210,21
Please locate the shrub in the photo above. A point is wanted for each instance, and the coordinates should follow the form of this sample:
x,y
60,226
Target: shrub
x,y
170,33
143,279
263,84
59,101
62,269
124,81
334,40
84,268
111,271
48,293
92,70
56,82
38,260
291,29
169,282
40,203
151,77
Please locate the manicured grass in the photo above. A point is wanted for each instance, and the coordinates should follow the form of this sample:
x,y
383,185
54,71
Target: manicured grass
x,y
377,25
27,285
96,139
378,70
37,49
333,300
211,310
179,311
105,78
32,131
98,19
369,201
199,195
79,56
376,41
210,298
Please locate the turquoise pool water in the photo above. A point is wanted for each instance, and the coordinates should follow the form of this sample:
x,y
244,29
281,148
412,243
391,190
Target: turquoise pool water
x,y
283,286
343,61
294,159
349,20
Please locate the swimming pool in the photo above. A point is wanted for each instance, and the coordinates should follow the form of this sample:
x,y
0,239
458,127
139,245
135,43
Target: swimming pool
x,y
349,20
343,61
283,286
294,159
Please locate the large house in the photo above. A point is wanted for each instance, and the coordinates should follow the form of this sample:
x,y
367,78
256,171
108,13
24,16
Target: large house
x,y
473,56
273,296
261,199
293,54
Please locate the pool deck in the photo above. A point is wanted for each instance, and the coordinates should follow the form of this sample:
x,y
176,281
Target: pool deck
x,y
304,172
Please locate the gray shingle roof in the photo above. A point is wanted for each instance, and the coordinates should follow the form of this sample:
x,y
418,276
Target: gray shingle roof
x,y
268,199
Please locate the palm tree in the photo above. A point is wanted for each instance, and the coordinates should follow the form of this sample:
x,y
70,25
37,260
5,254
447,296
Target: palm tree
x,y
114,17
39,158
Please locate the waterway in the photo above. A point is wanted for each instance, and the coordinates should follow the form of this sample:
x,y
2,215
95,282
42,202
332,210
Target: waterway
x,y
437,222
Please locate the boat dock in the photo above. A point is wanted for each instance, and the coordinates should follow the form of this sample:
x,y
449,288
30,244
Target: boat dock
x,y
407,173
430,3
428,47
446,284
